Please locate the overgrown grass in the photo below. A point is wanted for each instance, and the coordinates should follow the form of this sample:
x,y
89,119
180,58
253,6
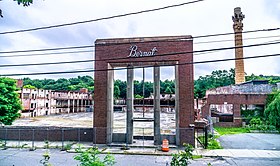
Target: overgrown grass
x,y
197,157
231,130
214,144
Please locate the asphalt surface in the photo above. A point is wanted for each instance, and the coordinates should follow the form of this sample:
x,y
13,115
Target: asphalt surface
x,y
265,151
257,141
24,157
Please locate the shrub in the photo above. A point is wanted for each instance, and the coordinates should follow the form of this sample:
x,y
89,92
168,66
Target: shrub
x,y
258,124
263,127
256,121
183,157
68,146
272,111
45,160
214,144
90,157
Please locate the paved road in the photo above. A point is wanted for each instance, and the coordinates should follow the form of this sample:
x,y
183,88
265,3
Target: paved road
x,y
257,141
24,157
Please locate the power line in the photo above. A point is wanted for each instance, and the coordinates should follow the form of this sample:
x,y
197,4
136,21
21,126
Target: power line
x,y
87,51
47,49
45,54
100,19
127,58
114,69
231,33
167,54
48,63
228,40
158,40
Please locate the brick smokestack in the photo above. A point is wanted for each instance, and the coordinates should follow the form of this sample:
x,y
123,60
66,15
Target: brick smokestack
x,y
238,28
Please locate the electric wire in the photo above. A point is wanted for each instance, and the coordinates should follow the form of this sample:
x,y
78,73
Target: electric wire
x,y
229,40
158,40
47,49
45,54
129,58
100,19
123,68
87,51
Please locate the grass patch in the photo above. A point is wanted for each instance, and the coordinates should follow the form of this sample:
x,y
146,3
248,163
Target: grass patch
x,y
231,130
214,144
197,157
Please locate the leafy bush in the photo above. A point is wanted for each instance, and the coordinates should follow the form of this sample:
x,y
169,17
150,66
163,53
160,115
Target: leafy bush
x,y
68,146
272,111
256,121
263,127
247,115
90,157
183,157
258,124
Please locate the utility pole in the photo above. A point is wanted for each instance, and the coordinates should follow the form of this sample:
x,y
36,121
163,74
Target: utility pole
x,y
237,19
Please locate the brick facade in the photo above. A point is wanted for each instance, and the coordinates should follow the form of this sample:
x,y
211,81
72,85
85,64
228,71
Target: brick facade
x,y
237,100
110,53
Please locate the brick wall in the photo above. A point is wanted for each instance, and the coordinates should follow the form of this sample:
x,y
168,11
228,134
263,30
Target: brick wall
x,y
236,100
114,53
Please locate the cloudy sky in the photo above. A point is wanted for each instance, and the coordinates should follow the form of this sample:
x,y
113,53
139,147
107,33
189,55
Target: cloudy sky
x,y
202,18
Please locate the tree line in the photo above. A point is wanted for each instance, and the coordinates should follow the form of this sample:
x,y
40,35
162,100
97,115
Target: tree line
x,y
216,79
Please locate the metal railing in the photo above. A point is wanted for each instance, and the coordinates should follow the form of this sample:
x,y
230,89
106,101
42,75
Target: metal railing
x,y
202,136
55,137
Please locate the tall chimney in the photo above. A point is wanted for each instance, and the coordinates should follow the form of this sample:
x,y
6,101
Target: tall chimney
x,y
237,19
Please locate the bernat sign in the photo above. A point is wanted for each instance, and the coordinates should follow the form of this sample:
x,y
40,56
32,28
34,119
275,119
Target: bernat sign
x,y
134,52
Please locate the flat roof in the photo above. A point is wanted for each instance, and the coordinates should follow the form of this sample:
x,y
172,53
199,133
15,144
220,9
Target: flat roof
x,y
143,39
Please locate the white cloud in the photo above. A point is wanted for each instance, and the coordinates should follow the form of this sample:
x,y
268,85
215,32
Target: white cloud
x,y
208,17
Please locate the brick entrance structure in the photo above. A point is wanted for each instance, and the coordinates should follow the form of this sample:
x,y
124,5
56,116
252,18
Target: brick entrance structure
x,y
140,52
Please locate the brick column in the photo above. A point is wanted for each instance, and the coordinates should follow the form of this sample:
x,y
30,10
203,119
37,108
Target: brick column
x,y
239,63
237,120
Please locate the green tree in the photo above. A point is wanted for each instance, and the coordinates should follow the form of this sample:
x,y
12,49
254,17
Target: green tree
x,y
122,86
117,92
165,84
9,101
149,88
62,83
138,96
23,2
29,87
216,79
272,111
271,79
168,90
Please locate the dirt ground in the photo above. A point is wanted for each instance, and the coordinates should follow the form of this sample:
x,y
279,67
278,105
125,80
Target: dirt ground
x,y
85,119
